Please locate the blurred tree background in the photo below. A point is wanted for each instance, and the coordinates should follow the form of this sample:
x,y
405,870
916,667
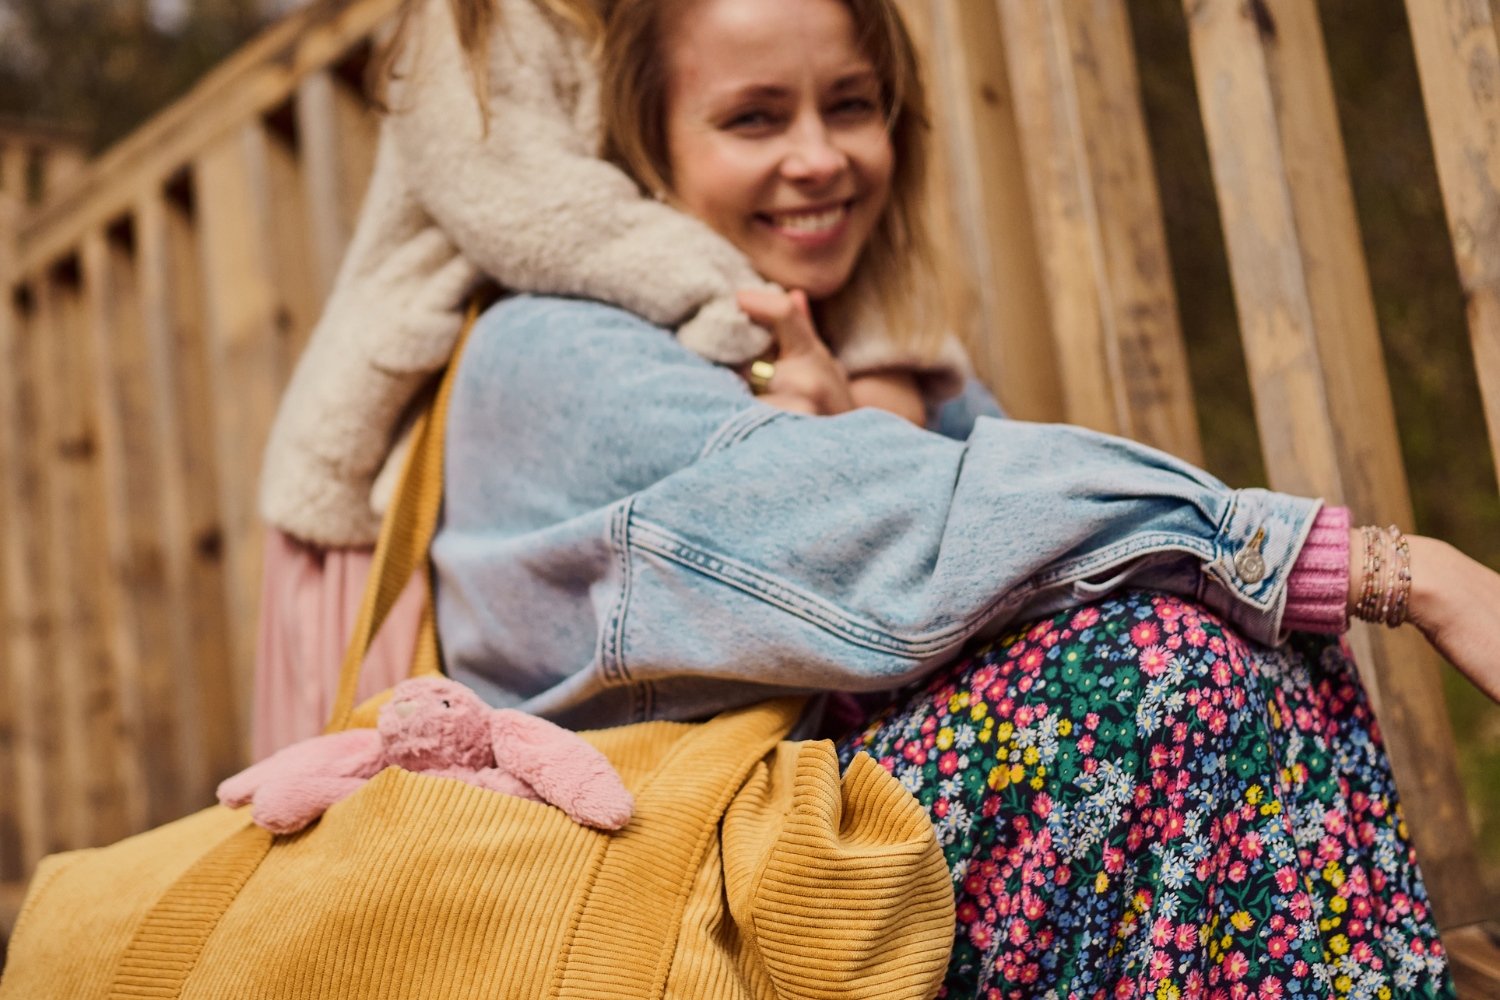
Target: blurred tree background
x,y
101,66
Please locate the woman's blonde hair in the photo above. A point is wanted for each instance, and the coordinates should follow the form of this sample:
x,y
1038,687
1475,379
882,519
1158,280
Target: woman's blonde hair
x,y
897,268
475,20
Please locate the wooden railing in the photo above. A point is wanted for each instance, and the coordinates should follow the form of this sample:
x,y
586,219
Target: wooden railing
x,y
154,312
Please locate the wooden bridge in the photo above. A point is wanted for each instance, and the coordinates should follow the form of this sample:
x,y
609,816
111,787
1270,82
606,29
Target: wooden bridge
x,y
154,308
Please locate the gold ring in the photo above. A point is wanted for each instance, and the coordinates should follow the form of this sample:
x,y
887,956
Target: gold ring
x,y
760,375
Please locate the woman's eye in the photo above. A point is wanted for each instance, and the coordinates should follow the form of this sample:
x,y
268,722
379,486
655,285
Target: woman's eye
x,y
751,121
854,108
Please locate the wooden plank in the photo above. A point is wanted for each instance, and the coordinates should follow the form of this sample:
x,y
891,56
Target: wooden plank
x,y
289,250
336,132
943,213
193,549
1474,957
261,76
30,618
11,865
245,366
129,412
1458,60
1322,398
105,798
13,173
975,120
1093,193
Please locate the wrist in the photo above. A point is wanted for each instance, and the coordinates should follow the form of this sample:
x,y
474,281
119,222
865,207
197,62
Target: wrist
x,y
1429,567
1380,576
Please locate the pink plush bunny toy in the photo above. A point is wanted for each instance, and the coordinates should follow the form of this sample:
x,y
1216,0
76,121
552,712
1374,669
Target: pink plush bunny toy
x,y
435,726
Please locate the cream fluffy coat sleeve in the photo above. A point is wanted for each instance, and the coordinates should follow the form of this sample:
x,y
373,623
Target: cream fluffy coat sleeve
x,y
525,201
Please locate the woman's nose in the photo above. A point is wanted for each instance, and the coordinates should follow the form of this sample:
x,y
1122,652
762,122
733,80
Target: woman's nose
x,y
814,157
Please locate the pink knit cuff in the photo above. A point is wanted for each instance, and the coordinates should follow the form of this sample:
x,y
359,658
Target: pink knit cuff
x,y
1317,589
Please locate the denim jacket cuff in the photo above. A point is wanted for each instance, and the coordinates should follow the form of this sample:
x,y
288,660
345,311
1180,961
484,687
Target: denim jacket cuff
x,y
1254,550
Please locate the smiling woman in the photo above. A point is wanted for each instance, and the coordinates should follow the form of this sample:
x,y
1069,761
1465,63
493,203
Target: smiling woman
x,y
777,138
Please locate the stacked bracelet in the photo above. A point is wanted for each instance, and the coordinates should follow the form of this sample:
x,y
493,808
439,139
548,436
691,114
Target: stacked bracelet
x,y
1385,595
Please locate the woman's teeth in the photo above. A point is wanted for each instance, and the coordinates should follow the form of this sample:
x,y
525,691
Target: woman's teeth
x,y
810,222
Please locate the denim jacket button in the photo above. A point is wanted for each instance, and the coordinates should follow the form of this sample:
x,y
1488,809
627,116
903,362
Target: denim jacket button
x,y
1249,566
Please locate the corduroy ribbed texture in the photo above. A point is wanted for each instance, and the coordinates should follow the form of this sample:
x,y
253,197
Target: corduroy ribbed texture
x,y
1317,588
751,870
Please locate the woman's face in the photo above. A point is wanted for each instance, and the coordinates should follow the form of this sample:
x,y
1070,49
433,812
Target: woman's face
x,y
776,134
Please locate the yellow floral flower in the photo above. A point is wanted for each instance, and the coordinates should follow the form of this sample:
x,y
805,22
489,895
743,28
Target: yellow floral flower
x,y
1004,731
1101,882
1031,755
979,711
1242,921
1254,794
1338,904
999,777
1339,945
945,738
1065,727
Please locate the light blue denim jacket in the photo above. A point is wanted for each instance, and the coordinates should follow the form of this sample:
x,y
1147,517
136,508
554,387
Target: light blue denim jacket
x,y
628,534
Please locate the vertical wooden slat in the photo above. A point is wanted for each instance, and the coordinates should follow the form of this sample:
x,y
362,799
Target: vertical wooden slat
x,y
290,251
245,364
99,747
975,120
193,550
11,865
1094,199
30,620
128,414
337,142
13,171
1458,61
1308,324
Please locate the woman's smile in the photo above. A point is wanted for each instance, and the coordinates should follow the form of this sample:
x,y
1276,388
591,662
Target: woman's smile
x,y
811,227
777,135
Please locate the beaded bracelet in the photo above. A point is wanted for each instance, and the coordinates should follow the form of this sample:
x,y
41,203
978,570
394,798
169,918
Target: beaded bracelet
x,y
1385,594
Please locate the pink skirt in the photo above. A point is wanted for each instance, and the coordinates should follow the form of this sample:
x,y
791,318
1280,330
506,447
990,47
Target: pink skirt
x,y
310,599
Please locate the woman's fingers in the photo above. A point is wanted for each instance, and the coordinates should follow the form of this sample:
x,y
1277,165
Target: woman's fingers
x,y
805,377
787,316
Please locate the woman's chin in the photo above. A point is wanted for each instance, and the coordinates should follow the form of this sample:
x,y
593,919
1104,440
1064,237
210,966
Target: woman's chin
x,y
818,282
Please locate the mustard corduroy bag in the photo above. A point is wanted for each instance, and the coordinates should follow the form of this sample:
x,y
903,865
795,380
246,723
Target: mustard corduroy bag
x,y
751,869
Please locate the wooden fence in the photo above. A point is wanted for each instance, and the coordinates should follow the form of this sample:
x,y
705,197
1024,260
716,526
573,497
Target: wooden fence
x,y
153,313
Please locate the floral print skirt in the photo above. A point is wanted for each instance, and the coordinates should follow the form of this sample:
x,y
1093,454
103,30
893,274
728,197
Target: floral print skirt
x,y
1137,802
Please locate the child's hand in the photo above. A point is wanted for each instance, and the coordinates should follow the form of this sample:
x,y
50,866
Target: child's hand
x,y
806,377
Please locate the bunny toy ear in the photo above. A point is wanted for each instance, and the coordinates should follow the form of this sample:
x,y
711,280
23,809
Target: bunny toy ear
x,y
354,753
562,768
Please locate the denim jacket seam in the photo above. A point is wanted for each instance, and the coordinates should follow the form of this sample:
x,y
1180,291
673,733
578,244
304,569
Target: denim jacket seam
x,y
738,427
612,652
821,613
809,607
1113,556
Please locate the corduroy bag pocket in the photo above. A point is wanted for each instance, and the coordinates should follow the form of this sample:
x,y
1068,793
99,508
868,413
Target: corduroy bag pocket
x,y
751,868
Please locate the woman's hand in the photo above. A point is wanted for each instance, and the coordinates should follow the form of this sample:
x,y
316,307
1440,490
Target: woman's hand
x,y
808,378
1455,602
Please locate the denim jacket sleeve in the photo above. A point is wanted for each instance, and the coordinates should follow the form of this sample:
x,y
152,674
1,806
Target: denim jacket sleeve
x,y
621,513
